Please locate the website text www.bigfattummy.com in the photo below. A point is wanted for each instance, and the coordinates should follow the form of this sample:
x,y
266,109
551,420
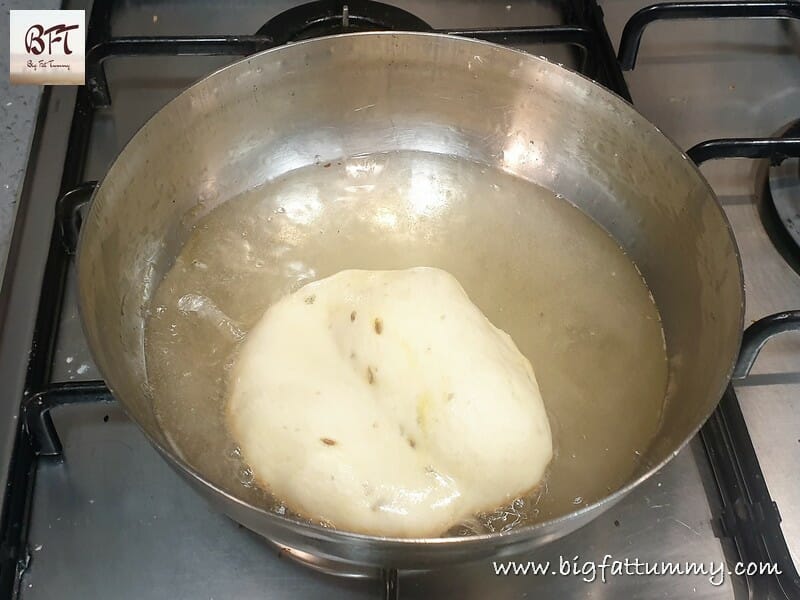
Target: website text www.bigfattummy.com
x,y
591,571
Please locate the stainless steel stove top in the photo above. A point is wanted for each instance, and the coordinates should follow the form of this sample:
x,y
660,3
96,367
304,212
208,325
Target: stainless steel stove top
x,y
110,520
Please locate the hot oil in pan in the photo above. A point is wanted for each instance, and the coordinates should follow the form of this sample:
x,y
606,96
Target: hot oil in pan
x,y
539,269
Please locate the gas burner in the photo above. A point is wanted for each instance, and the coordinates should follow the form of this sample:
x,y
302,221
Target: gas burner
x,y
326,17
780,206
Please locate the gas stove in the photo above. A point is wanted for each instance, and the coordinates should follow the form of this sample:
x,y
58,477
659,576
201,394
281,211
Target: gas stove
x,y
91,511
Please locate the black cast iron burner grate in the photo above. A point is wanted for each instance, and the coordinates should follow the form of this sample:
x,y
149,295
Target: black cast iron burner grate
x,y
325,17
749,515
779,207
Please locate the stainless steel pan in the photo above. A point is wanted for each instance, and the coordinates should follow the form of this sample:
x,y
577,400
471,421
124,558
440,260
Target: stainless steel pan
x,y
286,108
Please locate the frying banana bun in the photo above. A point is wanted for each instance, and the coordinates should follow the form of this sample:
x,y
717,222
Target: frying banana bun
x,y
386,403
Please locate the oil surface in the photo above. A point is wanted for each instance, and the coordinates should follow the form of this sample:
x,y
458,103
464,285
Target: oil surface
x,y
537,267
